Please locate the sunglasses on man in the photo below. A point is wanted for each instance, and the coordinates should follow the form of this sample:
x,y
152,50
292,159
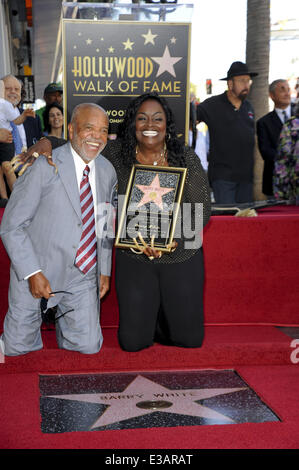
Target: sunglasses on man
x,y
49,314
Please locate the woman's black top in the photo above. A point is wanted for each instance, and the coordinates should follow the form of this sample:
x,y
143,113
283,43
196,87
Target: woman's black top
x,y
196,190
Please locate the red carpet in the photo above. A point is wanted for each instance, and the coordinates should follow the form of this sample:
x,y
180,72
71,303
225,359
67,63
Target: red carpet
x,y
252,270
240,345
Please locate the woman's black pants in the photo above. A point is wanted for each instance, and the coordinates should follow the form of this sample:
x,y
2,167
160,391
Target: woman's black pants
x,y
159,302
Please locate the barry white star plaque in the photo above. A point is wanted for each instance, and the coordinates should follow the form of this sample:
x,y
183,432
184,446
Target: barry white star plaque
x,y
140,400
150,207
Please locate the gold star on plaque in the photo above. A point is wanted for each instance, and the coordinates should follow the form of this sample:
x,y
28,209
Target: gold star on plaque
x,y
153,192
88,41
111,49
173,40
149,37
128,44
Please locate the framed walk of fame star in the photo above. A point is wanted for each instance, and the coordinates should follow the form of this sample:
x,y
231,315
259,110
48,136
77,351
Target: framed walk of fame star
x,y
111,62
150,207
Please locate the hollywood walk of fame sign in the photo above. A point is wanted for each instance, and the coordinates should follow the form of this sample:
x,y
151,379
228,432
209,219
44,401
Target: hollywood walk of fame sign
x,y
154,399
111,62
150,207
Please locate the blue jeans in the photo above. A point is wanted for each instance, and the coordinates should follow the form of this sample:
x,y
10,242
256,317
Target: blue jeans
x,y
229,192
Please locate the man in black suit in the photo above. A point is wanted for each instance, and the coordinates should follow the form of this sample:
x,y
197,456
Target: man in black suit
x,y
269,128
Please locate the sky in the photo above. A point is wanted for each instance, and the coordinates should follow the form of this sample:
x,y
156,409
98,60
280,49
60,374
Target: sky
x,y
219,38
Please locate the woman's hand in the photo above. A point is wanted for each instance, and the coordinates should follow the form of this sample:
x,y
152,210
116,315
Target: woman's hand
x,y
152,252
149,250
28,157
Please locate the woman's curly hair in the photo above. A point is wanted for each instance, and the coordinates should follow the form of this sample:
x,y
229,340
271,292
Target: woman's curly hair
x,y
47,124
127,132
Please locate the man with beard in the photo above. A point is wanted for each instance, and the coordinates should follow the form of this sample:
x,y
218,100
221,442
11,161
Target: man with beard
x,y
230,121
57,230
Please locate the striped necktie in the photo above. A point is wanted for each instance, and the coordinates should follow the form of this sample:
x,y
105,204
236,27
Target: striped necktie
x,y
87,252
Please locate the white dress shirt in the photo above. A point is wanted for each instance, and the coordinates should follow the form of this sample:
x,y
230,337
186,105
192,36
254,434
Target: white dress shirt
x,y
7,114
80,166
11,113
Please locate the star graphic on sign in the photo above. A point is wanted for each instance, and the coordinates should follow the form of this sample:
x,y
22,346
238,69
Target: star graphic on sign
x,y
149,37
88,41
153,192
111,49
173,40
128,44
143,396
166,62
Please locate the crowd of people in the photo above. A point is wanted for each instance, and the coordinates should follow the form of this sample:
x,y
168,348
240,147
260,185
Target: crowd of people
x,y
226,146
160,294
228,139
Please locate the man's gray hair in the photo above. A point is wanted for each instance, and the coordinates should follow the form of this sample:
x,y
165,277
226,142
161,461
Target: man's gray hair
x,y
11,76
274,84
86,105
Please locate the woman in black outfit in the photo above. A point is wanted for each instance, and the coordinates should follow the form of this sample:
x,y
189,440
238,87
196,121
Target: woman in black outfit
x,y
159,299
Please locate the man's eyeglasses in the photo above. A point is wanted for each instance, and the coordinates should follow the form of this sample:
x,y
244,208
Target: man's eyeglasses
x,y
49,314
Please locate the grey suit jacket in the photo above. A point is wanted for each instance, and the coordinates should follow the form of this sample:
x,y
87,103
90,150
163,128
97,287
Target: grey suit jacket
x,y
41,227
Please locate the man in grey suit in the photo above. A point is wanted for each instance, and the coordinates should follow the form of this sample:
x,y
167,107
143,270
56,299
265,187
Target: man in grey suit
x,y
43,231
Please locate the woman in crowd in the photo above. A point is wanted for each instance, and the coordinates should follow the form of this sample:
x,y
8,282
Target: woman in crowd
x,y
53,120
286,165
160,297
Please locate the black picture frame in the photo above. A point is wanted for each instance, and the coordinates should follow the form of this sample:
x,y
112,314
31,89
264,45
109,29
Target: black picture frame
x,y
149,216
